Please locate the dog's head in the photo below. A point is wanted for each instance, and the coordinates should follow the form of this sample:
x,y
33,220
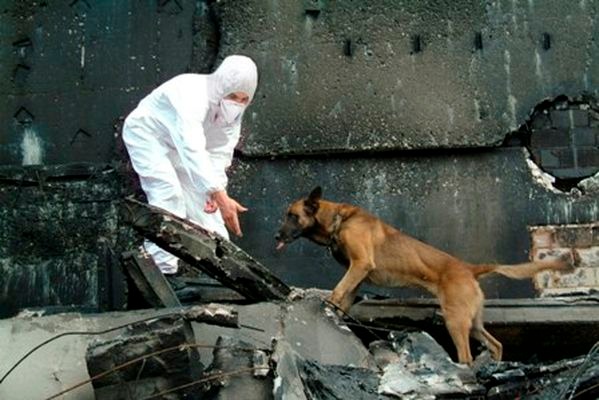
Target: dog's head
x,y
299,219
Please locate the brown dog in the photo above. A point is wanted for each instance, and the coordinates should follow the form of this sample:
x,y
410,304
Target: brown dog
x,y
382,255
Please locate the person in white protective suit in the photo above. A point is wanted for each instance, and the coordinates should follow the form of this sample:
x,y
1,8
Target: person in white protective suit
x,y
180,140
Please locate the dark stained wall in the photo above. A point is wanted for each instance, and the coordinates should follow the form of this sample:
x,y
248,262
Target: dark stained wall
x,y
69,73
402,74
407,103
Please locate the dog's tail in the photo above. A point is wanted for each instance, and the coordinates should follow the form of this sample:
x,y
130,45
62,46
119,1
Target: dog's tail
x,y
524,270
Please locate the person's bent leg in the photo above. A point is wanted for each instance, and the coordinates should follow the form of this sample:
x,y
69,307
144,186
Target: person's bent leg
x,y
158,180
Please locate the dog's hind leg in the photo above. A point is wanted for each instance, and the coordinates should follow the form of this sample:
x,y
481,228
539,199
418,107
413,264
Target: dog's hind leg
x,y
459,302
459,329
482,335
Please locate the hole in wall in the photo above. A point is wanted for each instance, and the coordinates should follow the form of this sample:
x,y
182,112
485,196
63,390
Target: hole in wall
x,y
478,41
562,138
416,44
546,41
348,48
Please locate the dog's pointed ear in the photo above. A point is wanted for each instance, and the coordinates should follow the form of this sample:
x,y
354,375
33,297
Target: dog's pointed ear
x,y
311,203
315,194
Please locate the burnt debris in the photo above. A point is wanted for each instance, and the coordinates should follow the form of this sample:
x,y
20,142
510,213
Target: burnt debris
x,y
217,257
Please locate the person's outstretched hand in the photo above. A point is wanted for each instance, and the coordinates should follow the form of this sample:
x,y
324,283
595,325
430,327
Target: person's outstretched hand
x,y
229,209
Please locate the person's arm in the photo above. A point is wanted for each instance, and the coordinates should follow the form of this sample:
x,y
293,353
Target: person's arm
x,y
190,141
221,156
229,208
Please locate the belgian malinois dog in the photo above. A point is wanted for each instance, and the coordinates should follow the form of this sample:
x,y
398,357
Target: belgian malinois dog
x,y
377,253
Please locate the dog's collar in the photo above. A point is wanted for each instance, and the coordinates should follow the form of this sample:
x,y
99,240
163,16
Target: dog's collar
x,y
334,230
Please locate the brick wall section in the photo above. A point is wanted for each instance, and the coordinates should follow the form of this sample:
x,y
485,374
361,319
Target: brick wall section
x,y
565,140
580,242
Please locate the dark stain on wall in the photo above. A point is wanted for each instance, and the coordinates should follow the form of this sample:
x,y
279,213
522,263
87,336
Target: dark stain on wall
x,y
400,107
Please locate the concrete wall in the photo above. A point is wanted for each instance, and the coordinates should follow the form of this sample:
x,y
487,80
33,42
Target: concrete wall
x,y
389,93
359,75
476,205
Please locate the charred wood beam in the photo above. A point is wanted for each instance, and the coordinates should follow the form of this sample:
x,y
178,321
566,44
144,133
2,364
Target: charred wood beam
x,y
149,280
216,256
497,311
544,328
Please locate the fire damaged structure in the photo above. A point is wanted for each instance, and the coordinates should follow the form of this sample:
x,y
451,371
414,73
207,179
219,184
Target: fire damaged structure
x,y
472,126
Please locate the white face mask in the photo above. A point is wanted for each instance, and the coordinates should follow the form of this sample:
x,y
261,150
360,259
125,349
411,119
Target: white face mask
x,y
230,110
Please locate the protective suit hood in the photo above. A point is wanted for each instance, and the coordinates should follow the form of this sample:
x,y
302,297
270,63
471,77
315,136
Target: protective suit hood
x,y
235,74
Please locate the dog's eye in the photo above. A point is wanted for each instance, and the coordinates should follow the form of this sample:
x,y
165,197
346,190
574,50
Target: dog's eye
x,y
292,216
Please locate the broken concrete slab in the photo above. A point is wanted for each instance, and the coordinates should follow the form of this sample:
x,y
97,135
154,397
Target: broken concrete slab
x,y
313,330
216,256
317,333
318,337
412,363
424,370
300,379
288,383
19,335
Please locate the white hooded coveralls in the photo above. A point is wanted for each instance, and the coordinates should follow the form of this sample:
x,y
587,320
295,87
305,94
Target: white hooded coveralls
x,y
180,144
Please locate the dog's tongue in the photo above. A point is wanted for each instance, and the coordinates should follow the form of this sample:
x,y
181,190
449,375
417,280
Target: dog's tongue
x,y
280,245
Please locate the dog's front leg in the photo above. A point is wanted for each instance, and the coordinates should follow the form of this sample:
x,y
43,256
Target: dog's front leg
x,y
344,293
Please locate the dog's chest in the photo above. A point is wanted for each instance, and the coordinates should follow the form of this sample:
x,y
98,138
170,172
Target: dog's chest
x,y
338,254
395,277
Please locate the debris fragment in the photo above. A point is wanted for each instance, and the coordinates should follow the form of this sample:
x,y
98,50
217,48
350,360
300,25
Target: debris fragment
x,y
424,370
146,359
245,375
